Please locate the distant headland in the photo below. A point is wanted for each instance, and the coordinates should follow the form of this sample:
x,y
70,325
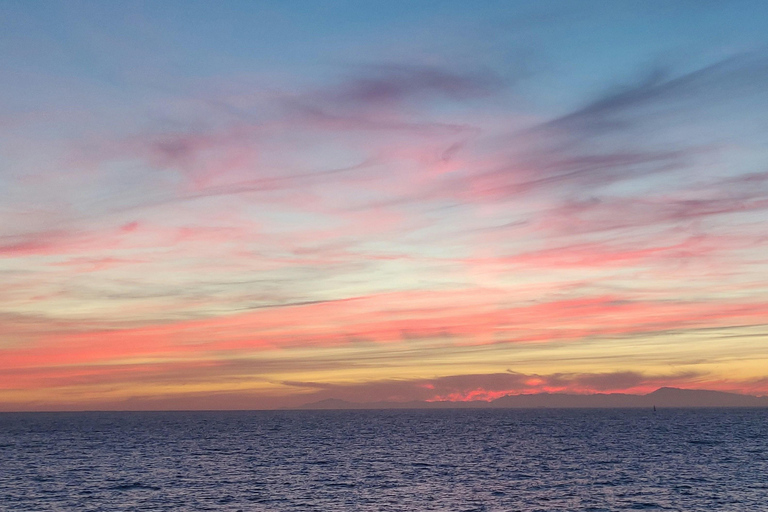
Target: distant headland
x,y
665,397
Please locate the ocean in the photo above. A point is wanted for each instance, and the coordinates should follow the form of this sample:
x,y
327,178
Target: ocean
x,y
386,460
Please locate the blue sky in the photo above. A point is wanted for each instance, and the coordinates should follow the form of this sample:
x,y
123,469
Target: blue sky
x,y
274,202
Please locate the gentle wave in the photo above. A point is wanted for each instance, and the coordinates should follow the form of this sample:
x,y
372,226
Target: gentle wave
x,y
460,460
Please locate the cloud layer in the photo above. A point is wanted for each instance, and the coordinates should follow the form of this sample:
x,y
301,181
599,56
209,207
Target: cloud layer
x,y
408,218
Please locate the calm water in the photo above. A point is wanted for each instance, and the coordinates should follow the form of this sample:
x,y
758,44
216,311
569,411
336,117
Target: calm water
x,y
487,460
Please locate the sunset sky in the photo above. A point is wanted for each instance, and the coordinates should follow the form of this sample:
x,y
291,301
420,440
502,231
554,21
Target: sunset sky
x,y
252,204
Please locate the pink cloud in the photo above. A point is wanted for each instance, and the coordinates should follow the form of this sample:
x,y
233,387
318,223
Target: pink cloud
x,y
459,317
601,255
487,387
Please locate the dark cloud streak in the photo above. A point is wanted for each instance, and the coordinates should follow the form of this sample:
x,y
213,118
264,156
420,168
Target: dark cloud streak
x,y
622,109
392,84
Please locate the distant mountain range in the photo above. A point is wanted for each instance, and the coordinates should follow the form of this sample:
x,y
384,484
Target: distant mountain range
x,y
662,397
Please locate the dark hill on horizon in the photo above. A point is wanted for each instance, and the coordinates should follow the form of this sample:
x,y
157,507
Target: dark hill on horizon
x,y
662,397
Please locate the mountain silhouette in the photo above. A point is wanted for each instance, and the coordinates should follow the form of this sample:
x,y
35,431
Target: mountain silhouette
x,y
662,397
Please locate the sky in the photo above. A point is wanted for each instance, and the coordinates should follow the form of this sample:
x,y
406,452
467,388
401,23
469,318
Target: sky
x,y
248,205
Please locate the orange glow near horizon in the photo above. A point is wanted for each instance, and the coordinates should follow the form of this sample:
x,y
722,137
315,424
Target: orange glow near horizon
x,y
348,216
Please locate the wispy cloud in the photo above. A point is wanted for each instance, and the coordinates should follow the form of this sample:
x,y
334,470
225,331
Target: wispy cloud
x,y
247,206
661,93
394,84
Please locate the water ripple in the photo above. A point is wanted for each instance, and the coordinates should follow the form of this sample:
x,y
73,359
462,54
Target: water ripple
x,y
487,460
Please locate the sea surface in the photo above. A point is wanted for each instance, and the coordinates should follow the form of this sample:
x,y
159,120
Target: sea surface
x,y
397,460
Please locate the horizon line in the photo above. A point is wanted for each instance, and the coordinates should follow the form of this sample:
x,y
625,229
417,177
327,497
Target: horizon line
x,y
454,404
